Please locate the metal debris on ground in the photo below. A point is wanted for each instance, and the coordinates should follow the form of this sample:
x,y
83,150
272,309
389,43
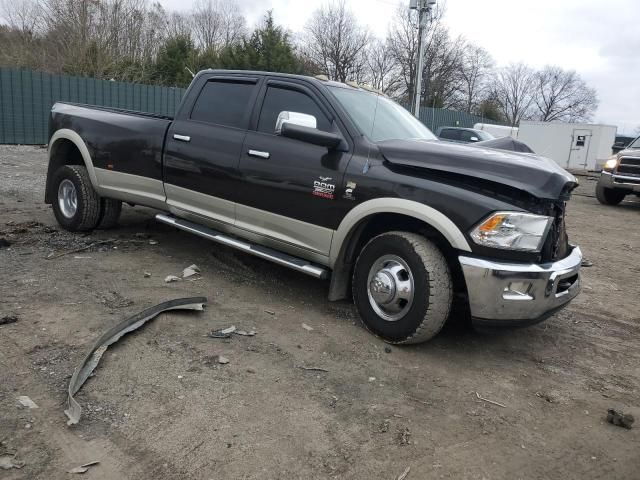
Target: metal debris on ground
x,y
313,369
227,332
190,271
8,319
222,332
245,333
307,327
620,419
586,263
146,274
171,278
404,474
490,401
221,360
91,360
270,312
83,468
81,249
27,402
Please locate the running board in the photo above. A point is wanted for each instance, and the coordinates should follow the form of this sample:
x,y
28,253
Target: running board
x,y
294,263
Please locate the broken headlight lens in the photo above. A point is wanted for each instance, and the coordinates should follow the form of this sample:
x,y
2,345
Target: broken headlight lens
x,y
513,231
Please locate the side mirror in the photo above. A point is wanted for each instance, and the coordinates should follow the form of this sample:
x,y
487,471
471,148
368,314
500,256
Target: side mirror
x,y
295,118
311,135
474,139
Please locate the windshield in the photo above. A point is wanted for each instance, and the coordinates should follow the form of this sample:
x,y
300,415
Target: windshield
x,y
635,143
380,118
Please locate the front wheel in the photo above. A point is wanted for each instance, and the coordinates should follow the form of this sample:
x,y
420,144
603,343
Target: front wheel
x,y
402,287
609,196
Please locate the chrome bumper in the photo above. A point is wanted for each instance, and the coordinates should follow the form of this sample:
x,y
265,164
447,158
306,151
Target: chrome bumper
x,y
621,182
517,293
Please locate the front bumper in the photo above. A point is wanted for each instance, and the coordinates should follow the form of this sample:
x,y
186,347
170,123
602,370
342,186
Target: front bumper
x,y
620,182
519,294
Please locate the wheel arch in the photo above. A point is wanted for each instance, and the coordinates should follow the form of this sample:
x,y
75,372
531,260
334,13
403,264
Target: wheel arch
x,y
374,217
66,147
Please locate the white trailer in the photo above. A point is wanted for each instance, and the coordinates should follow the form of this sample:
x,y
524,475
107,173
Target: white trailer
x,y
574,146
497,131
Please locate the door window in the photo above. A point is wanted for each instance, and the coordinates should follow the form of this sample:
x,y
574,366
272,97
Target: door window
x,y
467,135
450,134
223,103
282,99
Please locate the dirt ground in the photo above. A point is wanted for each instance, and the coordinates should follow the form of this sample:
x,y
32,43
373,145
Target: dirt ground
x,y
160,407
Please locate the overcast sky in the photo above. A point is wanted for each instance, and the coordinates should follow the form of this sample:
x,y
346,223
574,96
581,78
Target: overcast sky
x,y
599,39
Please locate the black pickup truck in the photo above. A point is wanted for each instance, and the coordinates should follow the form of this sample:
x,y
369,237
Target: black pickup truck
x,y
332,180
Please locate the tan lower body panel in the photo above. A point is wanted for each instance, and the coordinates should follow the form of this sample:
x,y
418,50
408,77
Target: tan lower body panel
x,y
130,188
201,204
288,230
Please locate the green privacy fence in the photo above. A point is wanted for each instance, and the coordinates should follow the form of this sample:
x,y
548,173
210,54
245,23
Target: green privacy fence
x,y
26,97
435,118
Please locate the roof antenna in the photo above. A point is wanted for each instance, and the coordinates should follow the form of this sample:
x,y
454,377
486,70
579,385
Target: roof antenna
x,y
189,70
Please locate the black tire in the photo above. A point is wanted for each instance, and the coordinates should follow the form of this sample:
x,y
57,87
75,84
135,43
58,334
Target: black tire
x,y
87,212
425,315
109,213
609,196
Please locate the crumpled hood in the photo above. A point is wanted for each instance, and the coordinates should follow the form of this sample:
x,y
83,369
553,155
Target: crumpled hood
x,y
539,176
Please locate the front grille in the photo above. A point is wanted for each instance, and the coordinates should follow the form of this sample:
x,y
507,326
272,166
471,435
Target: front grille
x,y
629,166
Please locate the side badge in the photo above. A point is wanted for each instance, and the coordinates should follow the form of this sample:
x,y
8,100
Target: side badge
x,y
323,188
348,192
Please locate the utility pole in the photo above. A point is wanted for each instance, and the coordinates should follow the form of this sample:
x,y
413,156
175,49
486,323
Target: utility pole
x,y
424,9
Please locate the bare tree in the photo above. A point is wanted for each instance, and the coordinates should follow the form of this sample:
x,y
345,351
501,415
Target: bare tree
x,y
216,24
562,95
402,42
513,88
383,69
336,43
476,67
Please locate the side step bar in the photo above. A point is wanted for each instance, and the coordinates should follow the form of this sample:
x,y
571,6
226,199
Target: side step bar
x,y
294,263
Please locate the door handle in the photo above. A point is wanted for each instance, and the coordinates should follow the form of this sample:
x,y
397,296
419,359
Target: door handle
x,y
182,138
259,154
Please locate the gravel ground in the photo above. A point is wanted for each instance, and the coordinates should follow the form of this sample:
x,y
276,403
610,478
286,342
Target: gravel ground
x,y
161,407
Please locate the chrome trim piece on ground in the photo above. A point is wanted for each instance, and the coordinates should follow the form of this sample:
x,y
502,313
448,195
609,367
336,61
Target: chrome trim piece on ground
x,y
519,291
91,360
280,258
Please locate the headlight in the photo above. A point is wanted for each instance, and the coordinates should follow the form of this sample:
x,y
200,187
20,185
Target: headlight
x,y
513,231
611,164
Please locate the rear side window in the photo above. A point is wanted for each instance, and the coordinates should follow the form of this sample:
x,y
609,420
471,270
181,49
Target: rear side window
x,y
450,134
223,103
281,99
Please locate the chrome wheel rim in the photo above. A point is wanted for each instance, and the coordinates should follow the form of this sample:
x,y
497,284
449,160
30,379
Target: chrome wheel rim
x,y
390,287
67,198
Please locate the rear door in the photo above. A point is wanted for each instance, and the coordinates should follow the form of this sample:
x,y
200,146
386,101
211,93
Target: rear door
x,y
203,147
290,188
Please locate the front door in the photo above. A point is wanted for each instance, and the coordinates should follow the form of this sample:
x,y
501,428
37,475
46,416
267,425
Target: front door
x,y
290,188
579,153
203,148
